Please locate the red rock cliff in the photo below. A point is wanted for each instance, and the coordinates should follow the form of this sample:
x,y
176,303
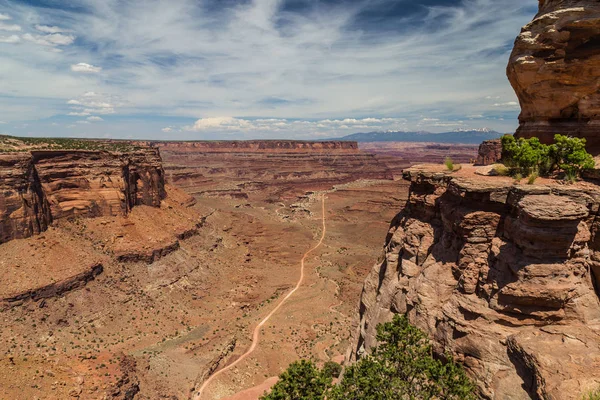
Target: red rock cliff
x,y
555,71
41,186
505,277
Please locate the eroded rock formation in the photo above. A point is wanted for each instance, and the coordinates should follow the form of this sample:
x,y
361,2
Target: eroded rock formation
x,y
41,186
490,152
505,277
555,71
237,169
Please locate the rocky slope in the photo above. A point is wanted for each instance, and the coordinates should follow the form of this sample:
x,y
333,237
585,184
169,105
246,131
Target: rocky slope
x,y
555,71
42,186
237,169
505,277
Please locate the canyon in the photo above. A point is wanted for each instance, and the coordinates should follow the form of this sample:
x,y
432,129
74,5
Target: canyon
x,y
118,284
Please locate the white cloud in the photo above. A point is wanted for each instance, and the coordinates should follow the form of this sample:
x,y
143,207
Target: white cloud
x,y
82,122
84,67
78,114
167,129
9,27
49,29
507,104
304,69
94,118
4,17
54,39
10,39
93,103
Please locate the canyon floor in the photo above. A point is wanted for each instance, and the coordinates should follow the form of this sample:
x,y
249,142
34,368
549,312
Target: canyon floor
x,y
172,305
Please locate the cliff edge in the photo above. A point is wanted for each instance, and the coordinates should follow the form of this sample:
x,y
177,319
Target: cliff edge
x,y
40,186
505,277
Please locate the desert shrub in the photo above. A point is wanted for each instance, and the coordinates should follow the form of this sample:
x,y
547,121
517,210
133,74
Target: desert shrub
x,y
532,177
449,164
332,369
501,170
301,381
402,366
526,155
529,156
593,395
518,177
571,156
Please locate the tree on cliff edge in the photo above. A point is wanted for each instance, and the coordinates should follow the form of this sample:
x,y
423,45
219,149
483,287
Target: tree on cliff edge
x,y
401,367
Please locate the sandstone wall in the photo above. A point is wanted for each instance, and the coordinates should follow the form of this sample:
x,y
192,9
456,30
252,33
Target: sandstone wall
x,y
43,186
268,168
555,71
504,277
270,146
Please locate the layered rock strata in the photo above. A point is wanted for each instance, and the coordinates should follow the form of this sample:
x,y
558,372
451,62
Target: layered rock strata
x,y
555,71
41,186
504,277
490,152
236,169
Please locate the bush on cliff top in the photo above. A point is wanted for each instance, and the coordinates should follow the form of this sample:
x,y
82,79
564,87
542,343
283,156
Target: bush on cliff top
x,y
527,156
401,367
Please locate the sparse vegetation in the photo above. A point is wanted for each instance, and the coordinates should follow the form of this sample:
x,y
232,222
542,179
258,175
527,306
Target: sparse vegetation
x,y
593,395
13,144
501,170
529,157
449,163
402,366
532,178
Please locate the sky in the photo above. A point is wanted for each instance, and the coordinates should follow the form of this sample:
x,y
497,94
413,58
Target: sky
x,y
252,69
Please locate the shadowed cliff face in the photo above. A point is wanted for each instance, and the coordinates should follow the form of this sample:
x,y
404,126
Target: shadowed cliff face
x,y
41,186
555,71
504,277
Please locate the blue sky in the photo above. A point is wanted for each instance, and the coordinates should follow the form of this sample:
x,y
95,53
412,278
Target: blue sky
x,y
241,69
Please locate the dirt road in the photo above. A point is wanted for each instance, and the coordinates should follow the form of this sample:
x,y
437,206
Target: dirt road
x,y
257,329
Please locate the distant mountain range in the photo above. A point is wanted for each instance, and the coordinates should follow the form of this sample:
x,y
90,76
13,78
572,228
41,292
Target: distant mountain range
x,y
461,136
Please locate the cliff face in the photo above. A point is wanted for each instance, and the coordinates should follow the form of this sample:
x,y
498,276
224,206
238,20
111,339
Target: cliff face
x,y
555,71
504,277
277,168
41,186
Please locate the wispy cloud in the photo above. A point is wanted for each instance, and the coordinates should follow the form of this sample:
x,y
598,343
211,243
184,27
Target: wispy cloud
x,y
229,64
84,67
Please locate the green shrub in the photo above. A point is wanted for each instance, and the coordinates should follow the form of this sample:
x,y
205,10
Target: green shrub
x,y
501,170
402,366
301,381
571,155
449,164
518,177
529,156
332,369
593,395
532,177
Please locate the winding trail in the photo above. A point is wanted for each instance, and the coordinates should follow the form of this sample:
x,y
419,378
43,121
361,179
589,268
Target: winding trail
x,y
257,330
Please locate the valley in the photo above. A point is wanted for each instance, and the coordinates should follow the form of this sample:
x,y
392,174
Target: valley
x,y
152,299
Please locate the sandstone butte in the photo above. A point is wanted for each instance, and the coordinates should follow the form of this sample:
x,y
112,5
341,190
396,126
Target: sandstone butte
x,y
555,71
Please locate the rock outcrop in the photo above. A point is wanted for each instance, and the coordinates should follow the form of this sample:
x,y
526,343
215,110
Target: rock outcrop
x,y
41,186
490,152
555,71
236,169
505,277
